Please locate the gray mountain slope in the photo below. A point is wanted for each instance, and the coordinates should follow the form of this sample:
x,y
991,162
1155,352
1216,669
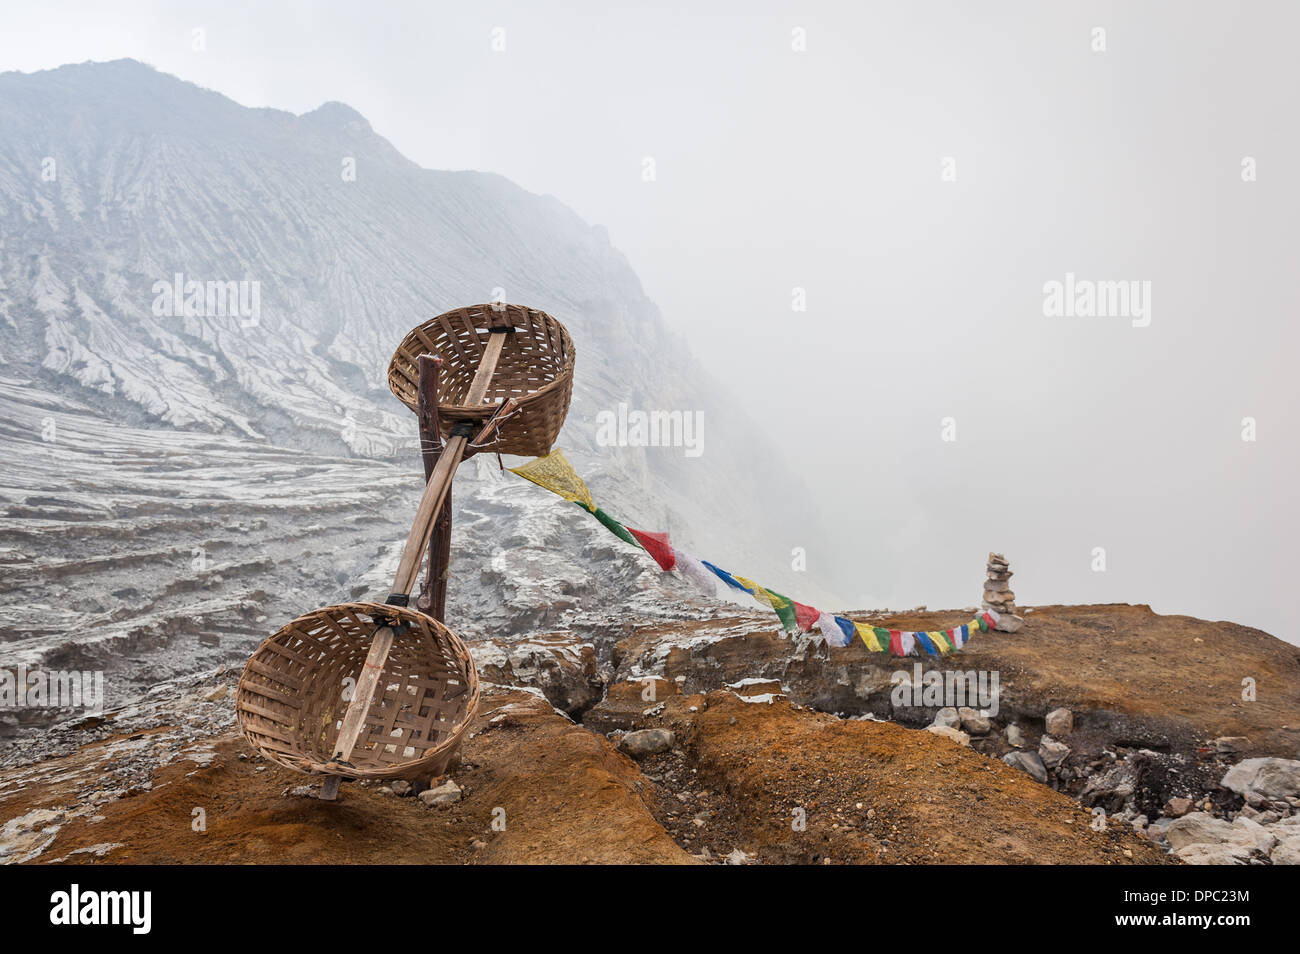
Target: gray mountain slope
x,y
114,177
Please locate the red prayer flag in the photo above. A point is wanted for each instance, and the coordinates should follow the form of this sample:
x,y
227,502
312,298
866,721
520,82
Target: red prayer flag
x,y
805,616
657,545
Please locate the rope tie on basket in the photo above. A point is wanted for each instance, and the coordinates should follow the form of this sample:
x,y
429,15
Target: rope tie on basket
x,y
399,626
499,421
492,426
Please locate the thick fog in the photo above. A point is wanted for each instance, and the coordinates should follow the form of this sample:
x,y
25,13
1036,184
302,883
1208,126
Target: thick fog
x,y
855,213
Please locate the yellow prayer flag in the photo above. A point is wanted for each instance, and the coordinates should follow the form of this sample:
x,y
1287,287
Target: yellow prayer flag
x,y
760,593
556,474
868,634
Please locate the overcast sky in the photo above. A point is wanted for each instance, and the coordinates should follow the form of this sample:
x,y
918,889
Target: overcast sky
x,y
813,146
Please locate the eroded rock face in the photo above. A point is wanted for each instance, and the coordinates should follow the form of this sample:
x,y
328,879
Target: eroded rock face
x,y
561,665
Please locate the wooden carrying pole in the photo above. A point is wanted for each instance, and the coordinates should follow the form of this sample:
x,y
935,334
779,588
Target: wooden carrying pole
x,y
432,600
435,492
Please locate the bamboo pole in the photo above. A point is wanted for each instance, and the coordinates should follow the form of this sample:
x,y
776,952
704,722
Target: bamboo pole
x,y
433,597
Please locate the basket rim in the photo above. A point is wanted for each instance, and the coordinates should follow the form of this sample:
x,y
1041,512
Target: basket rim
x,y
471,410
311,766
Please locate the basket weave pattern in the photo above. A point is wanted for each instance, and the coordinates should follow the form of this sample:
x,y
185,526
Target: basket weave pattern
x,y
535,368
291,697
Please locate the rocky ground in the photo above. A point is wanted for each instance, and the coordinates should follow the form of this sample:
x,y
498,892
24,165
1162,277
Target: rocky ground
x,y
717,741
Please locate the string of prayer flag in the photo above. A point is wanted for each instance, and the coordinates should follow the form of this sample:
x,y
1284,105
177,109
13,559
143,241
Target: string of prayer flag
x,y
554,473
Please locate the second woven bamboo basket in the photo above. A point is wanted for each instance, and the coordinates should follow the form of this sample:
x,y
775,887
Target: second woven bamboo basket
x,y
294,692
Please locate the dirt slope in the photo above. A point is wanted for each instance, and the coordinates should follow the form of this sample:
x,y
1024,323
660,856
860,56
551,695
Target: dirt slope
x,y
874,792
569,797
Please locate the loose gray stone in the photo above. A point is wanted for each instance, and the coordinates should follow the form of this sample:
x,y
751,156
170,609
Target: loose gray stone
x,y
1202,854
445,794
1264,840
1178,807
1052,752
401,787
947,717
1158,831
973,722
645,742
1198,828
1029,763
1287,851
948,732
1059,723
1260,780
1008,621
1015,736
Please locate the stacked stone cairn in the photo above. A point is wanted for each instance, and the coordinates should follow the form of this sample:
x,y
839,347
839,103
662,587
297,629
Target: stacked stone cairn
x,y
998,596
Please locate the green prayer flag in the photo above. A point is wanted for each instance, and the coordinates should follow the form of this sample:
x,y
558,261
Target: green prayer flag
x,y
784,609
616,528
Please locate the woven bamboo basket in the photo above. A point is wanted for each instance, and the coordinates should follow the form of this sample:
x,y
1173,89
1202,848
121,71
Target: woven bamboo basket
x,y
536,369
291,697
